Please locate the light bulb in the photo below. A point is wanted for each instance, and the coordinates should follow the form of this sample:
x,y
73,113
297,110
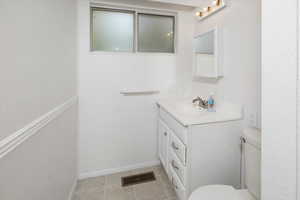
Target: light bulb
x,y
205,9
170,34
198,14
215,2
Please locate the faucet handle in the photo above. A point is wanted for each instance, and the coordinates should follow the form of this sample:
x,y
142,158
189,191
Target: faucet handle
x,y
204,102
196,99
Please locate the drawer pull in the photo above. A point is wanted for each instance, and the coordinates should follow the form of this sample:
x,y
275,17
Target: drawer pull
x,y
174,165
174,146
165,133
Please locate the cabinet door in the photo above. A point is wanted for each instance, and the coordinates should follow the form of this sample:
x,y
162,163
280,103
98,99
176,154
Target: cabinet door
x,y
163,138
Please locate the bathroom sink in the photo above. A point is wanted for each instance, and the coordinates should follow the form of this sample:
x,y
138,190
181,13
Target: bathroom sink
x,y
186,108
185,112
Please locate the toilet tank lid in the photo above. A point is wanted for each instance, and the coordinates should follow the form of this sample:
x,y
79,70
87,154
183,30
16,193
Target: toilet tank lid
x,y
253,137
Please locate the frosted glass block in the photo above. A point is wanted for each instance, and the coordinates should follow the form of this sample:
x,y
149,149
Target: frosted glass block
x,y
155,33
112,30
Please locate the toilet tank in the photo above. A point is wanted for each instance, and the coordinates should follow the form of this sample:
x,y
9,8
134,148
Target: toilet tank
x,y
252,156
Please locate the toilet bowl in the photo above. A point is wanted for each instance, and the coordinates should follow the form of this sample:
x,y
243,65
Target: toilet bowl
x,y
252,156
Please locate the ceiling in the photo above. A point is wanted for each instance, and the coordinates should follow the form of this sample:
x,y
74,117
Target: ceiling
x,y
192,3
187,5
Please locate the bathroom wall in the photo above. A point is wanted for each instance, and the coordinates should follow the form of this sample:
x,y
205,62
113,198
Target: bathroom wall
x,y
280,64
38,73
44,167
240,24
119,132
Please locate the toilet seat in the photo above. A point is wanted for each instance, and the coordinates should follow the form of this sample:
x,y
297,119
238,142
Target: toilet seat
x,y
220,192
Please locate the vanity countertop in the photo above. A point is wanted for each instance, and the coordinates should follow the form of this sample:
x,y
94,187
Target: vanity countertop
x,y
187,114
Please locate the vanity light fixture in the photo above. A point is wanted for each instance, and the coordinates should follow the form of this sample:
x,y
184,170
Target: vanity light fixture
x,y
199,14
215,6
217,2
214,3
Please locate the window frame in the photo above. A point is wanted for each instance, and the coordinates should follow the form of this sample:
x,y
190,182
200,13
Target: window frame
x,y
93,8
136,11
159,15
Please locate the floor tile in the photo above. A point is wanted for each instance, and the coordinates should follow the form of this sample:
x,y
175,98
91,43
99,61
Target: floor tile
x,y
149,191
119,194
164,178
109,187
75,197
175,198
170,192
114,180
90,194
91,183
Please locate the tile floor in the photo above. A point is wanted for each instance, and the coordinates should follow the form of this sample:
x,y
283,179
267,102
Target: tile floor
x,y
109,187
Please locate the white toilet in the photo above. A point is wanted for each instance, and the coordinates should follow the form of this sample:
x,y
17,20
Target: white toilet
x,y
252,157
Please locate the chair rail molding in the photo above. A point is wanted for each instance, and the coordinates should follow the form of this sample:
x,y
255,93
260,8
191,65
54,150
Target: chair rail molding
x,y
12,141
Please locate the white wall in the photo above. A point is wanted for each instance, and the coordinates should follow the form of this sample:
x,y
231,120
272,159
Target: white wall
x,y
279,85
44,167
118,131
38,73
240,25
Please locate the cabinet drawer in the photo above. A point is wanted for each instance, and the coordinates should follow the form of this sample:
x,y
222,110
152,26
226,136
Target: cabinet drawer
x,y
177,167
178,187
178,147
176,127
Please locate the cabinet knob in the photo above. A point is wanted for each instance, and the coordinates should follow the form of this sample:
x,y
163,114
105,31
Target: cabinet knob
x,y
165,133
174,165
174,146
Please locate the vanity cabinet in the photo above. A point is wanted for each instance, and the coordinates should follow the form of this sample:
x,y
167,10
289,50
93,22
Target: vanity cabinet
x,y
163,135
199,154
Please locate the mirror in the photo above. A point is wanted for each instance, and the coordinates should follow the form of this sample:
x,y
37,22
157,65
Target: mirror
x,y
205,43
206,55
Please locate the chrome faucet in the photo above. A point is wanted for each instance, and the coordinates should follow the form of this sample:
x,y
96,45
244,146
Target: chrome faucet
x,y
201,102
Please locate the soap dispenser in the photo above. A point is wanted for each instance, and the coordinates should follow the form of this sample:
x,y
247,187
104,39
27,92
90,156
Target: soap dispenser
x,y
211,103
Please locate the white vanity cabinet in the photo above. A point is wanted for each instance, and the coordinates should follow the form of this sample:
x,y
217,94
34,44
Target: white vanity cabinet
x,y
163,140
199,154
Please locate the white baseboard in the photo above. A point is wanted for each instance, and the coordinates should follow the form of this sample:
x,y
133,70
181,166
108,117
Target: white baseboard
x,y
117,170
72,190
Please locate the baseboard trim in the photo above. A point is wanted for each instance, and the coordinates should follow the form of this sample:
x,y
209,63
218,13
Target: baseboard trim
x,y
72,190
11,142
96,173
